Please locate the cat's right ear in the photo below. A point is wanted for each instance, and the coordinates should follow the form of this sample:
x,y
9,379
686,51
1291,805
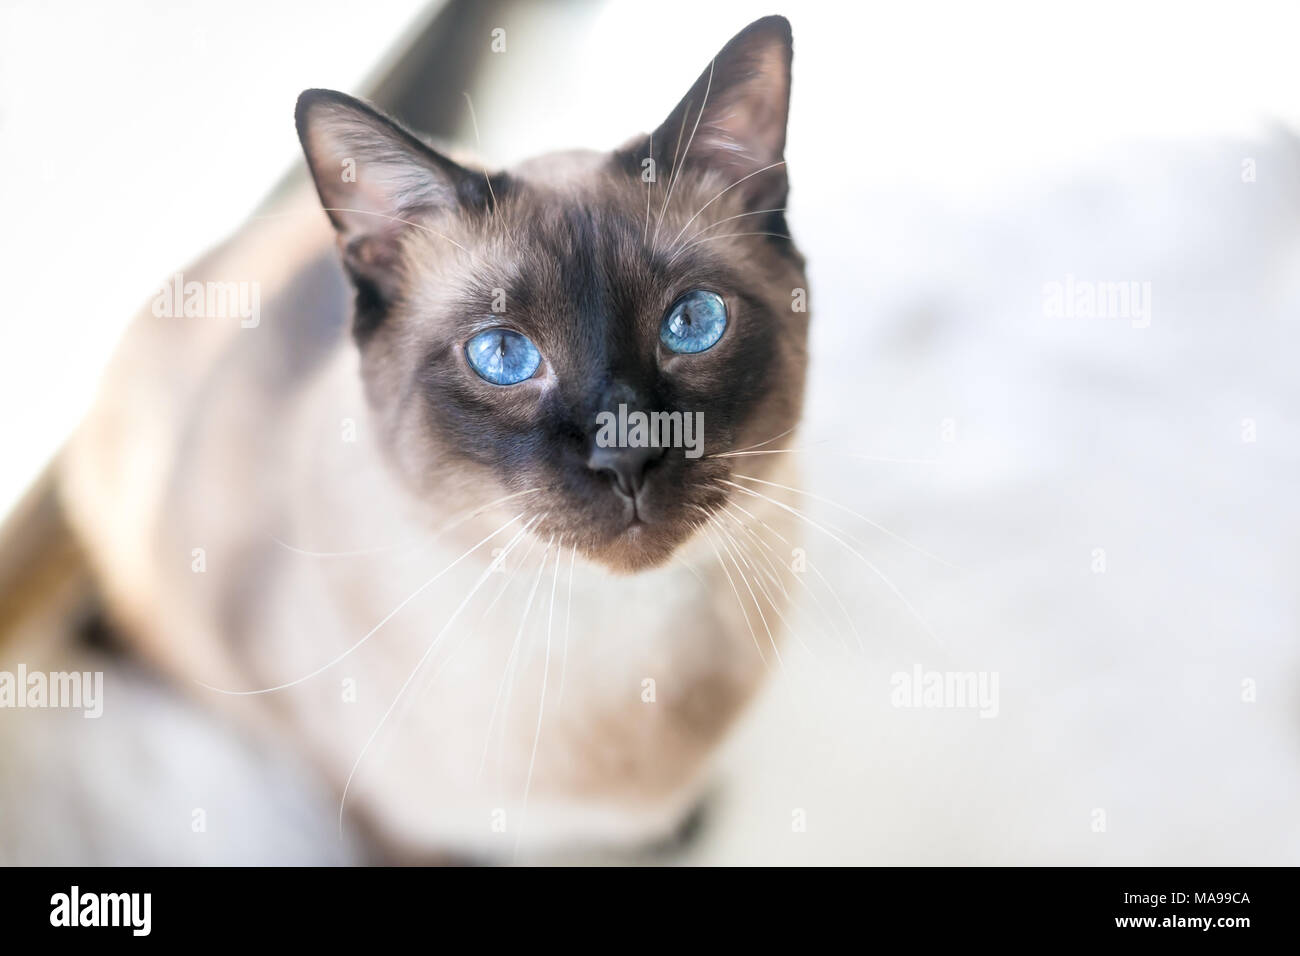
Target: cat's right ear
x,y
373,178
732,122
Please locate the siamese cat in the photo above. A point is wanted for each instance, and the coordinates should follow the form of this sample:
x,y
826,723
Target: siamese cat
x,y
384,519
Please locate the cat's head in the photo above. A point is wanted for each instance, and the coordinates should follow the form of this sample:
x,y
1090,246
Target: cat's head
x,y
517,328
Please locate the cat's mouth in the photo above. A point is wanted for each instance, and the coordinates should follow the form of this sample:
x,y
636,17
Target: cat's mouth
x,y
629,529
638,525
649,530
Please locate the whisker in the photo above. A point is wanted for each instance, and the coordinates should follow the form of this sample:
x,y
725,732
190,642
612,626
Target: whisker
x,y
677,170
726,510
731,235
861,557
541,701
676,151
734,590
713,225
720,195
423,543
514,651
744,549
369,634
835,504
520,657
830,627
496,209
347,554
417,225
568,616
510,579
418,665
747,553
759,444
848,617
842,454
770,571
464,641
745,580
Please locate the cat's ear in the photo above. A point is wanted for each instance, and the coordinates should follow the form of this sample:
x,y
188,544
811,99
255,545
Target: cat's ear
x,y
373,178
733,119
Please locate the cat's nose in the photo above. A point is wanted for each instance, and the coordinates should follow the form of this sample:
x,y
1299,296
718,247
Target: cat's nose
x,y
627,467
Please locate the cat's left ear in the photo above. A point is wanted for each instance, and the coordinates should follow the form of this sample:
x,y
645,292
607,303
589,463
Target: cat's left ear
x,y
733,119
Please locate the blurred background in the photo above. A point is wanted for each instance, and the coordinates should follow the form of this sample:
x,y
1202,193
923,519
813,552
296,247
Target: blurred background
x,y
949,163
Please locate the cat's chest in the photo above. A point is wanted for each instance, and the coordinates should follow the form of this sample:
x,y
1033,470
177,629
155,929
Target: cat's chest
x,y
598,696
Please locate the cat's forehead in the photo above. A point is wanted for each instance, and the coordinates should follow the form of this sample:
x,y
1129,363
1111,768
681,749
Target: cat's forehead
x,y
574,230
548,185
557,170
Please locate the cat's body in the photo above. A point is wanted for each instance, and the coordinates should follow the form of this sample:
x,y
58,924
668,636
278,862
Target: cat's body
x,y
269,506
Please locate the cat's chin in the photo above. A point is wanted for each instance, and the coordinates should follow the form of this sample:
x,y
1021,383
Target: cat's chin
x,y
640,547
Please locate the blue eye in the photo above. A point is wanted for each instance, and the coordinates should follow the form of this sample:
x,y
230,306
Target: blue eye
x,y
502,357
695,322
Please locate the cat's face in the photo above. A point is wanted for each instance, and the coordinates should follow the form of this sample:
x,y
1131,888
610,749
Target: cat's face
x,y
521,331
